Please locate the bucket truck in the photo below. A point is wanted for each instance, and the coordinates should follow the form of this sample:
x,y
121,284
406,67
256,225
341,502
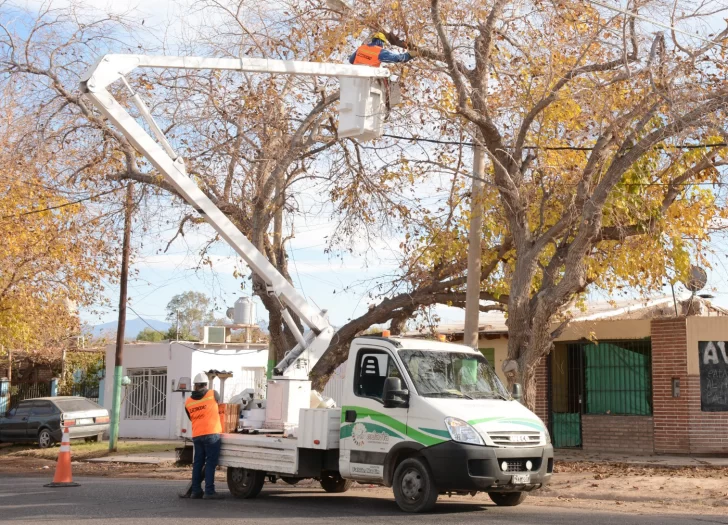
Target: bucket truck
x,y
423,417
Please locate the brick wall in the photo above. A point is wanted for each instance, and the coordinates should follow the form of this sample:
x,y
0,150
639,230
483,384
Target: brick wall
x,y
669,360
707,431
542,391
680,425
627,434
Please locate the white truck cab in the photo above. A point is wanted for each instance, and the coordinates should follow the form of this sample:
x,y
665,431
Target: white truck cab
x,y
441,407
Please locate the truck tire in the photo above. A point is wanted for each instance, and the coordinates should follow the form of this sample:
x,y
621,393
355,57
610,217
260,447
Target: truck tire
x,y
245,483
414,486
45,440
507,499
335,484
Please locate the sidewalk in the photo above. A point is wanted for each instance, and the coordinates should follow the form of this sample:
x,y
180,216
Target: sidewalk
x,y
573,456
149,458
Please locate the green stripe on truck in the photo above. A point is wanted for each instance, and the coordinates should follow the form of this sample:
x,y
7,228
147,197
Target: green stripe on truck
x,y
388,421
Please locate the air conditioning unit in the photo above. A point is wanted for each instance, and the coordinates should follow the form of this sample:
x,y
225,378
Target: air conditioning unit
x,y
214,335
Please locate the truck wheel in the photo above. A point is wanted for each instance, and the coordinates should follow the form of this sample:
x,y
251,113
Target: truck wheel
x,y
414,487
335,484
245,483
290,481
45,440
507,499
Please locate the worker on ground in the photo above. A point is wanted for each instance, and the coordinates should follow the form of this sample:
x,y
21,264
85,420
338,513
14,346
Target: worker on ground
x,y
201,408
373,54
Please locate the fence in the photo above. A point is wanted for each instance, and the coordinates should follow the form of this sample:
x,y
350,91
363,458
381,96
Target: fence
x,y
90,392
21,391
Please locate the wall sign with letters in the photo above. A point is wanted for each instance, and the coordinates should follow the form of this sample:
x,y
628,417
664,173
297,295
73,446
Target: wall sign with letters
x,y
713,359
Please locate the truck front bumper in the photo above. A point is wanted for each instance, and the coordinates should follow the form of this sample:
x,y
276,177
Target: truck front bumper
x,y
463,467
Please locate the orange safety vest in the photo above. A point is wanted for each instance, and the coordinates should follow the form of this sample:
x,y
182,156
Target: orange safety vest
x,y
204,415
367,55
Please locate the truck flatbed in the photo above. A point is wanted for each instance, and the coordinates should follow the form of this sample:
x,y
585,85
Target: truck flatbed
x,y
260,452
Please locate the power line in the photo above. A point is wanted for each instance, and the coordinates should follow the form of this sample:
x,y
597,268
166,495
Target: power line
x,y
655,22
62,205
552,148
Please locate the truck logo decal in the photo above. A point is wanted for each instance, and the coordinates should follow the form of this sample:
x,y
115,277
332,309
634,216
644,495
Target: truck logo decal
x,y
358,434
366,432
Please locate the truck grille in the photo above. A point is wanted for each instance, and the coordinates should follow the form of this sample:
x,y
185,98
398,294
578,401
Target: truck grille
x,y
515,439
519,465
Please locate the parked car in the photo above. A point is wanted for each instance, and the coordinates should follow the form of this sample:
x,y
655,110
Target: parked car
x,y
43,420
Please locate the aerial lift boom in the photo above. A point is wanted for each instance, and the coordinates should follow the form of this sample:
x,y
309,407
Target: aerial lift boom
x,y
162,155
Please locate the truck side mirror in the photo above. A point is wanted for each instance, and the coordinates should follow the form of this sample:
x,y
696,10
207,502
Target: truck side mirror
x,y
517,392
392,395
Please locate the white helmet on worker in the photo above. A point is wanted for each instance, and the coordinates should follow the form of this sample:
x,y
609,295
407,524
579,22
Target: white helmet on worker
x,y
200,379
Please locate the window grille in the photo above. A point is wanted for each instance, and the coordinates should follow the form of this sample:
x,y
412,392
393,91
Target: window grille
x,y
146,396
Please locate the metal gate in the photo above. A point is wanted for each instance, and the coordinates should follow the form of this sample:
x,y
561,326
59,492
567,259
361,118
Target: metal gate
x,y
605,377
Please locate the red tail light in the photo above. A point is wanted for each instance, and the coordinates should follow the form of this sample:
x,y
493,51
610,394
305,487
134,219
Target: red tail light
x,y
69,422
102,419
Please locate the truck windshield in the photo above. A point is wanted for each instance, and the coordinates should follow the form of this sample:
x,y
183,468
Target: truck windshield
x,y
452,374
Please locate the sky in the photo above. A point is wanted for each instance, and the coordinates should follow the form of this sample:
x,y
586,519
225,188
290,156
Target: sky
x,y
338,284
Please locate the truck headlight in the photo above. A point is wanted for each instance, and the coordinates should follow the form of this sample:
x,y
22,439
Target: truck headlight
x,y
548,436
462,432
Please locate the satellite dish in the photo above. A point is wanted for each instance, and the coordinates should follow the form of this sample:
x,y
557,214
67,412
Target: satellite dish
x,y
230,313
697,279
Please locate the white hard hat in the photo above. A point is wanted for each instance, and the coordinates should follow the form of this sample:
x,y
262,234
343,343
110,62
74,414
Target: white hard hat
x,y
200,378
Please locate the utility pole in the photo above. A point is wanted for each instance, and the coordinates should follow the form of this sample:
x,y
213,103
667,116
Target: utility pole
x,y
177,324
472,292
126,249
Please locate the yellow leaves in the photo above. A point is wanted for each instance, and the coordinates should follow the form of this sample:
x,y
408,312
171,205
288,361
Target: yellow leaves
x,y
53,251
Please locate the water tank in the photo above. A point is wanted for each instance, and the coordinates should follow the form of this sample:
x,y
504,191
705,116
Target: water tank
x,y
244,311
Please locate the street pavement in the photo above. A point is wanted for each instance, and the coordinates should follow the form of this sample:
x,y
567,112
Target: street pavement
x,y
148,501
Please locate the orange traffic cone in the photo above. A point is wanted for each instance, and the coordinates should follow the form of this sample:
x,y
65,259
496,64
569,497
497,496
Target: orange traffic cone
x,y
63,477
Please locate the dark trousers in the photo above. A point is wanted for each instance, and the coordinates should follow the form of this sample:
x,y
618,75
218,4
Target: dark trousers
x,y
207,452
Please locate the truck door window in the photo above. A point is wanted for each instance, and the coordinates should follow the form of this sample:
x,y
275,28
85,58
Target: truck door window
x,y
372,368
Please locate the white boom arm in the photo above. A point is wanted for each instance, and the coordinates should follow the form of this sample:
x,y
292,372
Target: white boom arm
x,y
160,153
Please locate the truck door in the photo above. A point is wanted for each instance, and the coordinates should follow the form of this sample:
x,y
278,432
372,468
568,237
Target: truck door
x,y
368,429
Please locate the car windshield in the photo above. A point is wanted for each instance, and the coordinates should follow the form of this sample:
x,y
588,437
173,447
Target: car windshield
x,y
76,405
452,374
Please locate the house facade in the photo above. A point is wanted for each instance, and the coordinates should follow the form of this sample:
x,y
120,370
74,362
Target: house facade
x,y
631,377
152,403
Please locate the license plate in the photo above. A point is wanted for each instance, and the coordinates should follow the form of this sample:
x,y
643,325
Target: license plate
x,y
86,421
521,479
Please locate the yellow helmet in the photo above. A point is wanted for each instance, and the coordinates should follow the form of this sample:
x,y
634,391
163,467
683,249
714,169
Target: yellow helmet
x,y
380,36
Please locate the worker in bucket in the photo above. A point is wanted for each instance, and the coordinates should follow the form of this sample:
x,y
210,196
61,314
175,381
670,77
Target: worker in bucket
x,y
373,54
202,409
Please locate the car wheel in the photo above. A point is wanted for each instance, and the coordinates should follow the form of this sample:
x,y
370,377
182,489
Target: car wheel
x,y
414,487
45,440
507,499
245,483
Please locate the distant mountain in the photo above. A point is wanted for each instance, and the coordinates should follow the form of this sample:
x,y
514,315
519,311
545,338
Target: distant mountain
x,y
132,329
